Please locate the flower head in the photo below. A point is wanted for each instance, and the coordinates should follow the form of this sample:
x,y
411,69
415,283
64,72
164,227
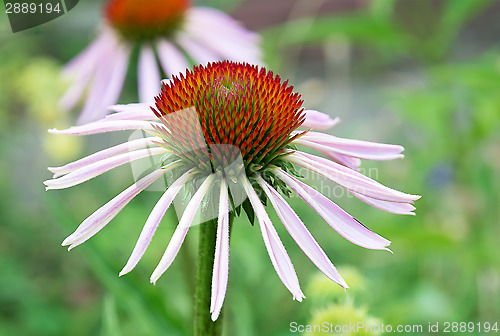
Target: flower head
x,y
171,35
226,126
143,20
246,108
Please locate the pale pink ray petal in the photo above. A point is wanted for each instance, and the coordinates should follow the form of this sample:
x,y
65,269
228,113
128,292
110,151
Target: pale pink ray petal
x,y
223,43
277,253
105,126
394,207
346,225
86,59
97,168
220,21
149,79
132,115
330,148
138,111
107,84
81,68
221,260
99,219
199,53
102,76
154,220
348,178
171,59
318,120
103,154
301,234
355,148
75,91
181,230
344,160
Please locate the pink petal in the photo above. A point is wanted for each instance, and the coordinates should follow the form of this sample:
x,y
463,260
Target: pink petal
x,y
219,21
224,43
103,154
107,84
394,207
346,225
277,253
318,120
221,260
300,234
148,75
97,168
154,220
130,112
198,52
81,68
181,230
105,126
355,148
171,59
83,61
344,160
99,219
348,178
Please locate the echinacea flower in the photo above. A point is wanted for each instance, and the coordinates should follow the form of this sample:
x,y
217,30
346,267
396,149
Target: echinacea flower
x,y
204,121
169,31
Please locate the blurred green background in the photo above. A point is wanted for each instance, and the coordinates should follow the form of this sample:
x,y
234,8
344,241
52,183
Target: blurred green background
x,y
420,73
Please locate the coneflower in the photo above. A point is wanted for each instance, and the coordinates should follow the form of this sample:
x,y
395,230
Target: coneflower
x,y
224,128
170,36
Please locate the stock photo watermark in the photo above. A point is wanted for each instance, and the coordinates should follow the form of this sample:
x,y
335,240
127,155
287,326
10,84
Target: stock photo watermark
x,y
26,14
413,329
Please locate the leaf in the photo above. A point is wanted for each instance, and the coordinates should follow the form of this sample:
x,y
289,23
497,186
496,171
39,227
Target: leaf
x,y
247,206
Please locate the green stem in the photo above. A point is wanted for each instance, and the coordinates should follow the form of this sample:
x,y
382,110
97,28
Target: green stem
x,y
203,324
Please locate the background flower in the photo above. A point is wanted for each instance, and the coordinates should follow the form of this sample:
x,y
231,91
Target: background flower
x,y
171,36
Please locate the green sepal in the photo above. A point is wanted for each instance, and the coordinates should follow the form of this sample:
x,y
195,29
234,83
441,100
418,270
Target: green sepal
x,y
247,206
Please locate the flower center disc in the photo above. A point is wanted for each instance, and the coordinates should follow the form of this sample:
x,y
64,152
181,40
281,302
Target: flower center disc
x,y
145,20
218,113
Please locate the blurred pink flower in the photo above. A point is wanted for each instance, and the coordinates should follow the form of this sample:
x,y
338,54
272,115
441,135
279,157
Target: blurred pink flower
x,y
171,36
263,131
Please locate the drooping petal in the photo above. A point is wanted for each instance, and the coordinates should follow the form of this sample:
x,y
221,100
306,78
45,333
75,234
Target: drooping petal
x,y
356,148
81,68
171,59
346,225
221,260
154,220
99,219
148,75
277,253
224,42
105,126
348,178
344,160
181,230
97,168
301,234
137,111
219,21
199,53
394,207
318,120
103,154
107,84
81,62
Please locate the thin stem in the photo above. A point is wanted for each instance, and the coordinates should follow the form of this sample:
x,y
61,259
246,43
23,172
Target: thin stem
x,y
203,324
